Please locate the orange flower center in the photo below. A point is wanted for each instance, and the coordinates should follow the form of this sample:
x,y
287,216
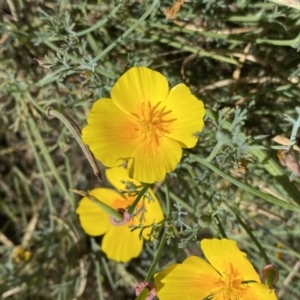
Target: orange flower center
x,y
230,286
123,203
153,121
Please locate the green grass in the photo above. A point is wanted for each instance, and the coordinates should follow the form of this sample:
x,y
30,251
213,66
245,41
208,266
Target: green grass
x,y
67,55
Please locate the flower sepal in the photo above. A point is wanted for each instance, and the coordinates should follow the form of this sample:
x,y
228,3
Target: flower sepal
x,y
115,214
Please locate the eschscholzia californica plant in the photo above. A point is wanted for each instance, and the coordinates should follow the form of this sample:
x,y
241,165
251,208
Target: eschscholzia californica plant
x,y
145,124
120,243
228,276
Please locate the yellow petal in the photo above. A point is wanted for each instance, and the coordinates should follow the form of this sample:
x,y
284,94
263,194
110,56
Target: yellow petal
x,y
193,279
152,209
189,113
110,133
225,256
151,160
118,176
121,244
93,219
153,213
259,291
159,277
139,85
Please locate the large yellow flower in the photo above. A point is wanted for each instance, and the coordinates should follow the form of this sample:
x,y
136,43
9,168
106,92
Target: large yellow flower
x,y
145,124
119,243
229,276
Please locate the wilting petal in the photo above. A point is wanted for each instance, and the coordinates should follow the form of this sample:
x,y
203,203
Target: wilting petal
x,y
151,161
139,85
121,244
224,255
110,133
189,113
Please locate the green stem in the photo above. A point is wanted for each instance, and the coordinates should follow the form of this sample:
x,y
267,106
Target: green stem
x,y
109,210
215,151
197,50
48,159
168,200
290,43
251,235
138,198
245,186
41,170
76,132
296,126
158,252
221,229
72,69
157,256
101,22
162,242
227,37
127,32
143,295
270,164
96,250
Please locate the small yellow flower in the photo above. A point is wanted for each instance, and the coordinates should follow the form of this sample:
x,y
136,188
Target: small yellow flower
x,y
21,254
119,243
145,124
229,276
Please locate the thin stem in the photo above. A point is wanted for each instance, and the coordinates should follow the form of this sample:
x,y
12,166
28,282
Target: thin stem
x,y
197,50
296,125
143,295
48,159
168,200
251,235
128,31
229,37
221,229
157,256
100,22
96,250
162,242
215,151
268,162
245,186
43,177
291,3
184,204
138,198
76,132
108,274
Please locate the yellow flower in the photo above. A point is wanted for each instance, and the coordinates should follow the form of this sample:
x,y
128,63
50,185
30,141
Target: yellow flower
x,y
21,254
229,276
119,242
145,124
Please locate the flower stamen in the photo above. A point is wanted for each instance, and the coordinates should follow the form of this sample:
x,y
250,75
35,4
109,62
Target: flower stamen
x,y
152,122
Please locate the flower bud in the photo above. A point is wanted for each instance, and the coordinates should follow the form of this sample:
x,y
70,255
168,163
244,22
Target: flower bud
x,y
270,275
204,221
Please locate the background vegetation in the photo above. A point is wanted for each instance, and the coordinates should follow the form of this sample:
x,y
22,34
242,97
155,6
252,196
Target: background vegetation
x,y
67,54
